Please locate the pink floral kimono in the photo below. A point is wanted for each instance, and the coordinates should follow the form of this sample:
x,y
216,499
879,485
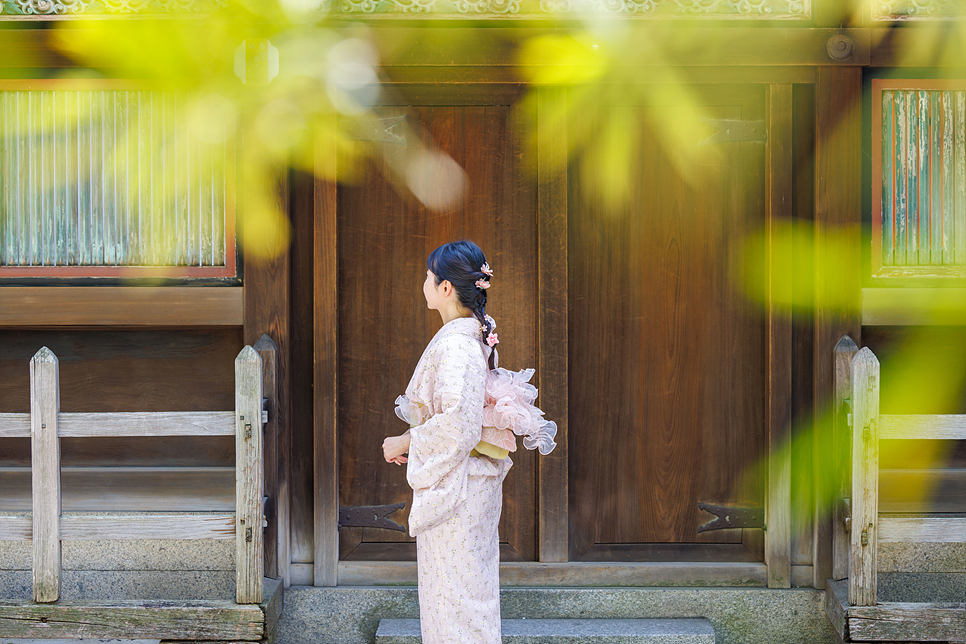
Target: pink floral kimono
x,y
457,486
457,498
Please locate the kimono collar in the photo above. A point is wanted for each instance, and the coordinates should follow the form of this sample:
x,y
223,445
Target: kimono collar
x,y
461,326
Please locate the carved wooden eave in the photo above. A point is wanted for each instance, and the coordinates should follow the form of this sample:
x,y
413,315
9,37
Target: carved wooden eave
x,y
903,10
741,10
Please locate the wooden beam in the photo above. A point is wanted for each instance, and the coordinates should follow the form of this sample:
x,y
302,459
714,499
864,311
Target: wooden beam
x,y
14,425
910,46
277,557
922,491
779,169
140,424
159,526
249,478
908,622
837,606
326,341
168,423
865,479
913,306
552,247
397,78
45,465
127,489
13,528
151,619
268,328
125,527
679,44
838,281
582,574
924,427
23,306
845,350
272,602
935,529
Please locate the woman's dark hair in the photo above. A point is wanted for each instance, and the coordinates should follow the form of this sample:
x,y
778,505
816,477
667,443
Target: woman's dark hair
x,y
461,263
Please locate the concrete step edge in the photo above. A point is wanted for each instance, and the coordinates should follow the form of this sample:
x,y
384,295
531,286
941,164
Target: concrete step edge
x,y
682,629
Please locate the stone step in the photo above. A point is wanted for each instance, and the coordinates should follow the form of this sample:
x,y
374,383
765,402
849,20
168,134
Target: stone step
x,y
572,631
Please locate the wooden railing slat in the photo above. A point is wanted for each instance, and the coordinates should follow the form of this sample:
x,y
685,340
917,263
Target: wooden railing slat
x,y
249,480
142,424
114,527
45,467
923,427
845,350
14,528
120,527
865,478
14,425
932,529
136,424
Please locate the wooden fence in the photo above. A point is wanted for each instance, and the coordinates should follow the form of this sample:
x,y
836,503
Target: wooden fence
x,y
856,614
45,425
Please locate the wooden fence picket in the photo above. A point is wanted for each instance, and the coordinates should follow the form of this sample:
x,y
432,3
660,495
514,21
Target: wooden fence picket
x,y
865,478
45,478
845,350
249,479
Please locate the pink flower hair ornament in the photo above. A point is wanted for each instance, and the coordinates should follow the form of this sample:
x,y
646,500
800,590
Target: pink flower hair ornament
x,y
492,340
486,270
482,284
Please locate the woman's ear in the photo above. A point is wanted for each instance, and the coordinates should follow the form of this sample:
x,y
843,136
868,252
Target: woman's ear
x,y
447,287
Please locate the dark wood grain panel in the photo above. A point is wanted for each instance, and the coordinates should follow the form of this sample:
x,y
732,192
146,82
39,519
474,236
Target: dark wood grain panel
x,y
666,358
267,283
301,369
124,370
551,166
325,340
780,175
384,237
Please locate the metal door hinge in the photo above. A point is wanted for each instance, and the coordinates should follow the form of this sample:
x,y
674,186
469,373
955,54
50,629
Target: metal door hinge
x,y
370,516
732,517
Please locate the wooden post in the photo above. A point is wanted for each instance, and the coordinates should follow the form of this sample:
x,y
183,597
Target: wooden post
x,y
326,345
780,167
845,350
249,558
838,226
553,518
277,559
865,478
45,469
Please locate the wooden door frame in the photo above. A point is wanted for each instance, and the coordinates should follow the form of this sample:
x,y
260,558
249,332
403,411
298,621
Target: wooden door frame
x,y
838,202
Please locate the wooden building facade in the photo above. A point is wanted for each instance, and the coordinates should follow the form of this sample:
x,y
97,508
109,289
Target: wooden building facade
x,y
682,343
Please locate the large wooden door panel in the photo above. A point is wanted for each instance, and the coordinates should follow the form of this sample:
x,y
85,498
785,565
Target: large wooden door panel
x,y
384,237
667,385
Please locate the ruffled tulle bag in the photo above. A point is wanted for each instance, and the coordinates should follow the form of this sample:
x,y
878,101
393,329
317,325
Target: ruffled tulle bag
x,y
508,412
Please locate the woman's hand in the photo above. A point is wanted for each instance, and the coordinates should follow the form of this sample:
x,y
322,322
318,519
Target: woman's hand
x,y
395,447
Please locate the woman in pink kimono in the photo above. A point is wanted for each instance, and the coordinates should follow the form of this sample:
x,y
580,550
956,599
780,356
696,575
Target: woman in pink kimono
x,y
463,413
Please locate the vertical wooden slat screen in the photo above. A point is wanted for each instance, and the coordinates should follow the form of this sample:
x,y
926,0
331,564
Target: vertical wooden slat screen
x,y
110,182
919,179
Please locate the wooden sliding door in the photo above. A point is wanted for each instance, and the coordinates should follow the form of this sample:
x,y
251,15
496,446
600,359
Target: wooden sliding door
x,y
668,362
384,237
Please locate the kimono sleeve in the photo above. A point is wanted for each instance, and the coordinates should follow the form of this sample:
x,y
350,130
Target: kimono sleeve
x,y
441,446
